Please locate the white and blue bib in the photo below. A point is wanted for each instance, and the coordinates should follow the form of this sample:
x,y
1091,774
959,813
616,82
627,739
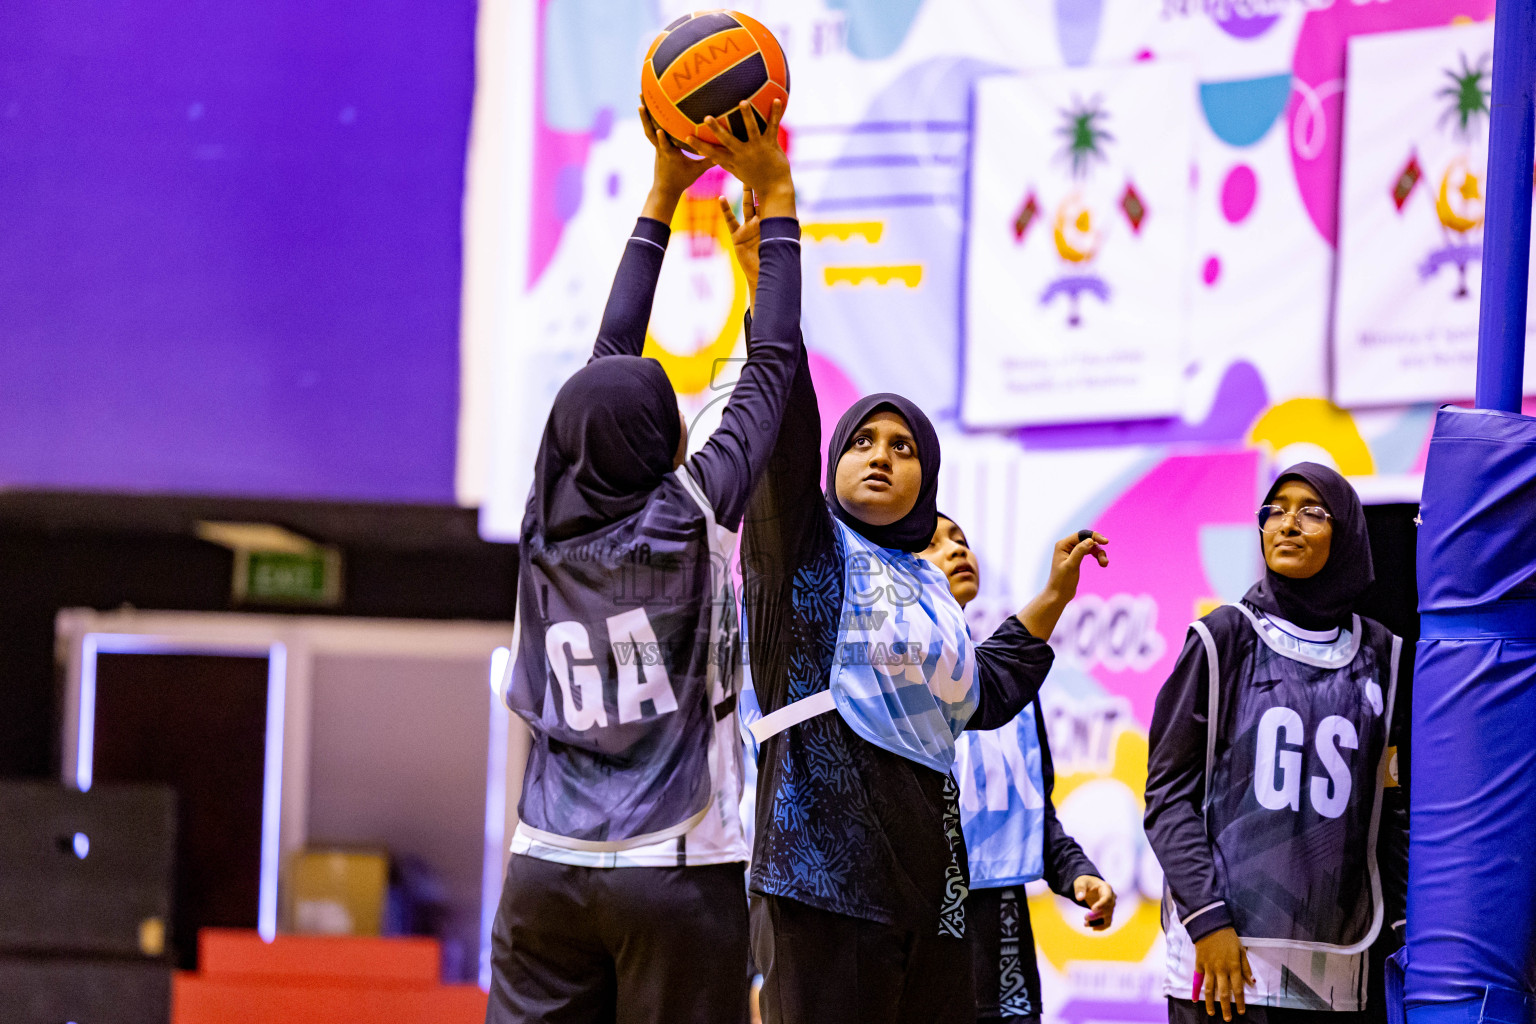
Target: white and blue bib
x,y
903,675
1002,803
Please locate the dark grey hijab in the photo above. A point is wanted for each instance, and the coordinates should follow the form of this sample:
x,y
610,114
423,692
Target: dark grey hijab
x,y
609,442
1326,599
914,531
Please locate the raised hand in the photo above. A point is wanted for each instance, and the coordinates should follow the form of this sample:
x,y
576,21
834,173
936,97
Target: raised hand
x,y
1041,614
1067,562
744,236
675,170
759,163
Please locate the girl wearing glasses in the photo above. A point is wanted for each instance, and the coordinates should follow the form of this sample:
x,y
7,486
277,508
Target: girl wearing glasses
x,y
1272,800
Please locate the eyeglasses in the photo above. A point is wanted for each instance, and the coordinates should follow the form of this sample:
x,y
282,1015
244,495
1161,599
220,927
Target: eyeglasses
x,y
1310,520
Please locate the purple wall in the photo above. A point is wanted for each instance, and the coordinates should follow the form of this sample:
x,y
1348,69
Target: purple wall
x,y
230,245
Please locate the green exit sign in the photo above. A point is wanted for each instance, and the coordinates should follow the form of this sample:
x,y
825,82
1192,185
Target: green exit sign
x,y
288,577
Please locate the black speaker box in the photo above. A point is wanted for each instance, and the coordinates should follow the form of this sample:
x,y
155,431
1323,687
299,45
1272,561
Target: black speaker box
x,y
86,873
53,990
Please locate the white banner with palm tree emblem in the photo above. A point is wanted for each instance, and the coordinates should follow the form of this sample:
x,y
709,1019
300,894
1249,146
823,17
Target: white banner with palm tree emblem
x,y
1411,216
1078,233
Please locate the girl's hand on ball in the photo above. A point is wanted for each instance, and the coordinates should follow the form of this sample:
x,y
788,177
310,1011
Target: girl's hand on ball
x,y
744,236
675,171
759,162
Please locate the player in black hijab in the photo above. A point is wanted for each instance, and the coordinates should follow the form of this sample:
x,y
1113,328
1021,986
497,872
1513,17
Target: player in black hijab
x,y
859,868
1272,799
912,531
613,434
1325,598
623,895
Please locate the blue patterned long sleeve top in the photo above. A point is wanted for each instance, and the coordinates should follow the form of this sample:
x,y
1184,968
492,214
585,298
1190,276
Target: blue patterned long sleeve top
x,y
844,825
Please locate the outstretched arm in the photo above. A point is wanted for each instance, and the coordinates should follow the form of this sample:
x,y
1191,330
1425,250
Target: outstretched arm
x,y
1044,611
628,312
1011,666
737,453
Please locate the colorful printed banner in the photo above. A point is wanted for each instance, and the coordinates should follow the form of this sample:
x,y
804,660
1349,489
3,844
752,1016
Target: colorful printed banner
x,y
1078,228
892,101
1411,227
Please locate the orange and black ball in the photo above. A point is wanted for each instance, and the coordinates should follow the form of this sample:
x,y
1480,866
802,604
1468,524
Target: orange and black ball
x,y
703,65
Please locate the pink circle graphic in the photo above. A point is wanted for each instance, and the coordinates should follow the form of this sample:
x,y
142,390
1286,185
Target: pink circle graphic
x,y
1211,271
1164,556
1238,193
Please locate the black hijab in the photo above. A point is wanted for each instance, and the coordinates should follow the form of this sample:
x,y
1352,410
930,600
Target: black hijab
x,y
1326,599
609,441
913,531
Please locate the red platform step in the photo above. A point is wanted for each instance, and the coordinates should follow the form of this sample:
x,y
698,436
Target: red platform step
x,y
301,979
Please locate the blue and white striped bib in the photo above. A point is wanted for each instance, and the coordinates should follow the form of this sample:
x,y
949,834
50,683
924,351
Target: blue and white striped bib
x,y
1002,803
904,675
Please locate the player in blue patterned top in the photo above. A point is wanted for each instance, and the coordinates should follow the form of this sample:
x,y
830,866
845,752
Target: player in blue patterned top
x,y
1012,833
858,873
624,892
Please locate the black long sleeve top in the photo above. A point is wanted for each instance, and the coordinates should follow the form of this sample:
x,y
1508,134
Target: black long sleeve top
x,y
736,454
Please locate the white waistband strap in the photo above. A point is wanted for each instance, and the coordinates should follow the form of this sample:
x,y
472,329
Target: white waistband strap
x,y
792,714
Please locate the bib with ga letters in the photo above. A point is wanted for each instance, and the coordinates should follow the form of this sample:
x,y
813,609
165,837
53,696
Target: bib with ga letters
x,y
628,640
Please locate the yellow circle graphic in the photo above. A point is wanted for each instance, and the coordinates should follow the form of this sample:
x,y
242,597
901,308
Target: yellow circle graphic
x,y
1129,939
1320,422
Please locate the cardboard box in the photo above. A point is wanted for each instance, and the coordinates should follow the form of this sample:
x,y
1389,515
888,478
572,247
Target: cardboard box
x,y
337,892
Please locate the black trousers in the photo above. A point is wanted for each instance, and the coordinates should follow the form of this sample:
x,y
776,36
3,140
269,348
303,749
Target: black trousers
x,y
825,968
1183,1011
1007,974
619,945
